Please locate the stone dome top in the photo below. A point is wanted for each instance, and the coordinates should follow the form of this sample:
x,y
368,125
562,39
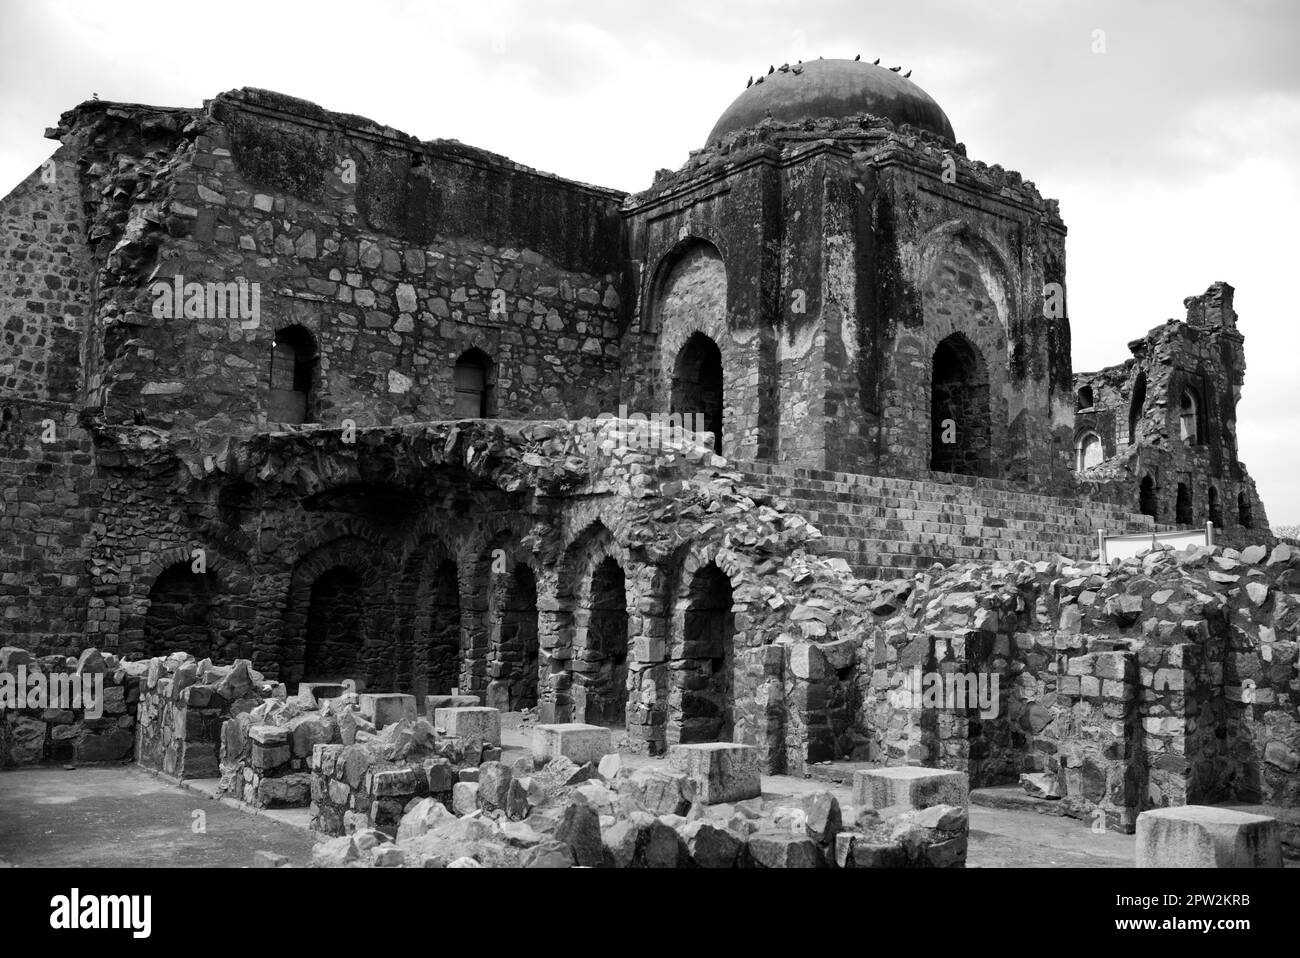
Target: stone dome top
x,y
833,88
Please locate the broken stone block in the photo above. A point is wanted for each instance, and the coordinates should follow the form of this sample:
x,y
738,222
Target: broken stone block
x,y
464,797
777,849
312,694
659,845
390,856
440,775
434,702
572,740
822,817
721,771
387,708
423,817
620,842
710,846
579,828
493,786
1040,784
471,727
1203,836
659,792
269,860
909,787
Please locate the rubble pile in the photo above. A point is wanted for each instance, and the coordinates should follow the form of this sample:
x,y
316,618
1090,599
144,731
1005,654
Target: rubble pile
x,y
1166,679
562,814
183,705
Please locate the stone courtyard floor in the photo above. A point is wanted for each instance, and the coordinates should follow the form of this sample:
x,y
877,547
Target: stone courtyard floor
x,y
124,816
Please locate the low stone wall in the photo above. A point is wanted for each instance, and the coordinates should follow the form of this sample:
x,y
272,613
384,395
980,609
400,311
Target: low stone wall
x,y
183,705
40,734
370,783
1165,680
265,753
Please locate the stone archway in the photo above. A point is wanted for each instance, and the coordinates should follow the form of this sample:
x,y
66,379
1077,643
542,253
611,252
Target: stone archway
x,y
513,648
704,675
600,652
960,413
697,386
438,634
335,630
181,614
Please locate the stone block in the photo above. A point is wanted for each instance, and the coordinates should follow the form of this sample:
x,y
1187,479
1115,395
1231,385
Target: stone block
x,y
909,787
572,740
721,771
387,708
434,702
312,694
1203,836
472,727
774,849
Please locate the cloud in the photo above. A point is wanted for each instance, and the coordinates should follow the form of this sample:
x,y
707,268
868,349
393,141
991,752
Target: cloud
x,y
1172,152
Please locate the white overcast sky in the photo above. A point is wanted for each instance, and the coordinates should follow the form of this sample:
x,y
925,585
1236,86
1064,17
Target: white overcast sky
x,y
1173,153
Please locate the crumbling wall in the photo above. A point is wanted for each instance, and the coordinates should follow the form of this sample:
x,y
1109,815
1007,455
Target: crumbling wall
x,y
1165,680
46,732
1136,409
280,214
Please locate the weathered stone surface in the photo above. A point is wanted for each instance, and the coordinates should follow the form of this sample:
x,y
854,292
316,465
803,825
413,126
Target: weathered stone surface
x,y
577,742
472,727
721,771
1200,836
909,787
769,849
387,708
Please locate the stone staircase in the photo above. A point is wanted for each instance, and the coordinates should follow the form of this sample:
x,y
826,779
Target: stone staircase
x,y
889,528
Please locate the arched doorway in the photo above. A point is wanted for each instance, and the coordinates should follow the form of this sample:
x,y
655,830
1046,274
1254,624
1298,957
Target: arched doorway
x,y
181,604
335,626
513,650
706,679
601,657
473,383
1089,452
960,416
1245,515
1183,505
1147,502
1136,407
293,372
697,387
438,670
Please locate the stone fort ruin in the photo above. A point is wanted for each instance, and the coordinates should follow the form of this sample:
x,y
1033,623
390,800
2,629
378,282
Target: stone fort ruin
x,y
290,386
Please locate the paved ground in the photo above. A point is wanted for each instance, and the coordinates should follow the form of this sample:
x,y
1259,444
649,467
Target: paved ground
x,y
124,816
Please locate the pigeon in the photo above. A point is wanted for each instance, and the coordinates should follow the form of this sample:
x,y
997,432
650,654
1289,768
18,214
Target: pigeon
x,y
770,69
858,57
907,74
876,62
750,83
894,69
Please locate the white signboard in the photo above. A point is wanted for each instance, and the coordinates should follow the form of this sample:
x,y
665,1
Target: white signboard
x,y
1128,546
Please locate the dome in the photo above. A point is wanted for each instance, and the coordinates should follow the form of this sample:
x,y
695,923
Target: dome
x,y
833,88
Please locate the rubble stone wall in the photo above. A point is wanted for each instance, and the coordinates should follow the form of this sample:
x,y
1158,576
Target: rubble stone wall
x,y
1161,681
1136,410
41,734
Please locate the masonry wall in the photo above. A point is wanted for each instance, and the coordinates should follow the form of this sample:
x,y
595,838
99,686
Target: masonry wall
x,y
49,490
1205,355
395,255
